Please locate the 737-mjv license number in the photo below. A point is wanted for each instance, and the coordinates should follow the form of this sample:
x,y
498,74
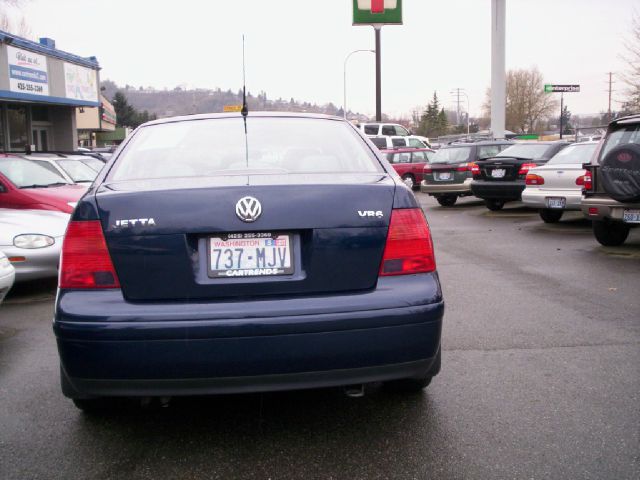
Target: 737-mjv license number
x,y
251,254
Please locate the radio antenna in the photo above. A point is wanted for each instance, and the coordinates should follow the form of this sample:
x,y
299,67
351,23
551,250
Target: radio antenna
x,y
245,109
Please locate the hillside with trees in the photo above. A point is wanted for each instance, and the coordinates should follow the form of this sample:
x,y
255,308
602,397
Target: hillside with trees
x,y
183,101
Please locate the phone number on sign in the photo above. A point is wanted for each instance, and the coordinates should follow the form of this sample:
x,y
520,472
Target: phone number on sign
x,y
30,88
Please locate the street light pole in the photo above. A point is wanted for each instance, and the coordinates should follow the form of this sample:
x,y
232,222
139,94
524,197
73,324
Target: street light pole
x,y
344,72
468,110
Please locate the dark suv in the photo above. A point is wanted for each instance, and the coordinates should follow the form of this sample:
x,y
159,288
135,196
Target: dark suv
x,y
501,179
448,176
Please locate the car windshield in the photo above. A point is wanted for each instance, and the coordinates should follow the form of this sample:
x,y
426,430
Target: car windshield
x,y
78,171
210,147
94,163
25,173
452,155
534,151
574,154
621,136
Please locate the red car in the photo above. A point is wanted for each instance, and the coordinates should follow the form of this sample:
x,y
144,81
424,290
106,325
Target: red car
x,y
34,185
409,163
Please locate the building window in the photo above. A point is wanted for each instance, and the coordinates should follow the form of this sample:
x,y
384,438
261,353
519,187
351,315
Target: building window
x,y
3,145
39,113
17,121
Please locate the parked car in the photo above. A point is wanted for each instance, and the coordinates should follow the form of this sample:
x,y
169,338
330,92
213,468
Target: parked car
x,y
501,179
31,184
397,142
612,183
7,276
384,129
188,270
557,186
409,163
32,240
72,168
448,175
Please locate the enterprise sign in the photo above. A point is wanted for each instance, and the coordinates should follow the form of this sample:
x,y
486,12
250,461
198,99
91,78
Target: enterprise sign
x,y
549,88
27,72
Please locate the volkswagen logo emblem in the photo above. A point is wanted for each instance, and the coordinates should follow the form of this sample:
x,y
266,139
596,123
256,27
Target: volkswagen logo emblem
x,y
248,209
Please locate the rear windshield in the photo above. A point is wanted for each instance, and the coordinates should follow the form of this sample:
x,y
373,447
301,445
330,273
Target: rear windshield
x,y
25,173
574,154
452,155
210,147
528,151
621,136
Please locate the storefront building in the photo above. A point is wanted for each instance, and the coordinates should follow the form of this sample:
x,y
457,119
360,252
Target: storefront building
x,y
93,121
40,89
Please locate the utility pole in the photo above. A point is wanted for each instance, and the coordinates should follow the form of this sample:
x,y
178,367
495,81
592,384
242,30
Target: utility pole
x,y
561,114
498,75
610,90
456,92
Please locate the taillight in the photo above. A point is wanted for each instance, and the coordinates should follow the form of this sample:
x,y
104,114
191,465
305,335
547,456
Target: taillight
x,y
409,248
475,169
533,179
587,181
524,168
463,167
580,181
427,169
86,262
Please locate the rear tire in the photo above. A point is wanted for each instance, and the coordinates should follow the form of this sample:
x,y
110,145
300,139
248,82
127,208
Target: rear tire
x,y
550,216
493,204
409,181
447,200
610,234
417,384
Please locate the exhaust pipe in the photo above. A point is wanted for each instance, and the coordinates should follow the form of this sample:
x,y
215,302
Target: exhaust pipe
x,y
354,391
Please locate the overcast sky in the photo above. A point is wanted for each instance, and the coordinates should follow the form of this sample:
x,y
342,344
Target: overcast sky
x,y
296,48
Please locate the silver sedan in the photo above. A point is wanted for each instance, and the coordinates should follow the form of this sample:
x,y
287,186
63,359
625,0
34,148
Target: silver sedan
x,y
557,185
32,240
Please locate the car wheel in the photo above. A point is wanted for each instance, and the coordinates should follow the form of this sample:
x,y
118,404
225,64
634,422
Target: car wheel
x,y
493,204
550,216
610,234
409,181
447,200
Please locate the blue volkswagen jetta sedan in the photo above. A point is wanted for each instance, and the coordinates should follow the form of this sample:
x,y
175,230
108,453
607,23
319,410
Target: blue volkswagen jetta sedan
x,y
225,254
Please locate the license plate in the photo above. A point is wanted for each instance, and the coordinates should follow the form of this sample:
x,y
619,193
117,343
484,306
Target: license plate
x,y
556,202
250,255
631,216
444,176
498,172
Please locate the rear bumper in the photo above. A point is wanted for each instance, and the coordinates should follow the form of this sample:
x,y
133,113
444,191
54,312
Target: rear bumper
x,y
511,190
537,197
161,352
606,208
449,188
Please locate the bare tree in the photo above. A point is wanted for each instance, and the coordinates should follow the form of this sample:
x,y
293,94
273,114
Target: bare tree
x,y
20,26
526,102
631,77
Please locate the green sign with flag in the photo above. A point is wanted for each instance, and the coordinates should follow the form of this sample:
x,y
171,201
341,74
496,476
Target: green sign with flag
x,y
379,12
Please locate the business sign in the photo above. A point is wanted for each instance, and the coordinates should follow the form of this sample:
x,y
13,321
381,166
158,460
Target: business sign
x,y
27,72
378,12
548,88
80,83
232,108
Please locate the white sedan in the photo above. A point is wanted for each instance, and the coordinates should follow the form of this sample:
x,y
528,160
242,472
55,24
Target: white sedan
x,y
32,240
557,186
7,276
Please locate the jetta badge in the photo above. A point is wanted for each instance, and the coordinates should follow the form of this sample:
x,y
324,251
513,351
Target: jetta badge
x,y
248,209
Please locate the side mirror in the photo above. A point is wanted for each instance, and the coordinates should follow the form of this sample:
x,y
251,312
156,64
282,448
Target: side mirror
x,y
3,189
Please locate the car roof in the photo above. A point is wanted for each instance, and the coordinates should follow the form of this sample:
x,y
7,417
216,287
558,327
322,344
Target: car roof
x,y
257,114
406,150
635,118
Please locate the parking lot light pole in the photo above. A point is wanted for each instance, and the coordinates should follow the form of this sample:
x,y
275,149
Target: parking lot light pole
x,y
468,112
344,72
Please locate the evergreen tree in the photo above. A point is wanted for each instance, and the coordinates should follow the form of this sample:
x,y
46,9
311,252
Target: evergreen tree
x,y
125,113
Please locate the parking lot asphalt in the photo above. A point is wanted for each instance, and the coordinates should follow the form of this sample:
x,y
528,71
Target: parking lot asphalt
x,y
540,379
